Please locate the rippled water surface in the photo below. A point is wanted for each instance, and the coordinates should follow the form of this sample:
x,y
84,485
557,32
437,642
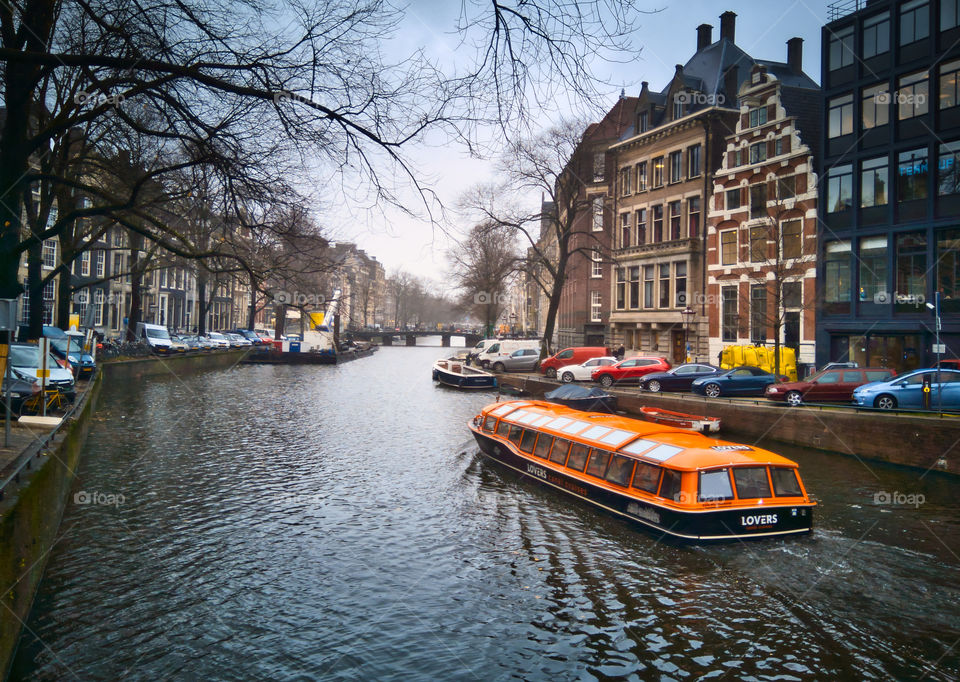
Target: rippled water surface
x,y
338,523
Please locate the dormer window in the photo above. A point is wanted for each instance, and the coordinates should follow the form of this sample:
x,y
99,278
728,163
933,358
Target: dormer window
x,y
756,78
643,121
678,107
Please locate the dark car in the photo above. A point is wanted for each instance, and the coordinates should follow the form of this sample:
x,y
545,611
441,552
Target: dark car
x,y
630,370
68,346
679,378
250,335
743,380
828,385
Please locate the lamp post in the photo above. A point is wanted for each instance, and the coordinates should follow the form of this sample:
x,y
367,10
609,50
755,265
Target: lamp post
x,y
687,314
513,324
937,348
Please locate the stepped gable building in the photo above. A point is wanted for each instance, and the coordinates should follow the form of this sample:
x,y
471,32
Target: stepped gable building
x,y
664,178
890,186
762,227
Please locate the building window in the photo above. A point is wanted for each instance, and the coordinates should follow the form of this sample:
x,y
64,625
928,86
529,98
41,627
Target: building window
x,y
635,287
642,176
912,172
728,296
837,272
625,231
733,199
841,48
49,253
641,226
792,295
757,116
787,187
664,285
758,244
693,216
621,288
680,283
948,269
728,247
693,161
657,224
676,169
117,264
595,307
948,174
839,188
876,35
840,112
912,265
678,105
100,258
949,14
914,21
950,84
875,106
643,122
912,94
596,269
758,200
626,186
675,220
658,172
85,264
791,234
758,152
98,308
599,161
874,178
758,313
648,284
597,214
82,300
873,269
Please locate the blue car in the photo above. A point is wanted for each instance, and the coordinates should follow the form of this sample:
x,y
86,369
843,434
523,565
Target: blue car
x,y
69,346
906,390
679,378
743,380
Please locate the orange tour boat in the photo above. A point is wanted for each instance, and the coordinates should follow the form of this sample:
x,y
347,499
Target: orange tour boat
x,y
672,480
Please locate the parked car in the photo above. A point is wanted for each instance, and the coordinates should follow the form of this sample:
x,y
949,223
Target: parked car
x,y
950,363
218,340
906,390
237,341
583,371
503,349
178,345
629,371
68,346
249,335
680,378
520,360
155,335
191,342
571,357
25,357
21,386
743,380
828,385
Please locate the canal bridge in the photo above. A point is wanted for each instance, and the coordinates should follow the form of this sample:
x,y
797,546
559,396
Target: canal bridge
x,y
386,337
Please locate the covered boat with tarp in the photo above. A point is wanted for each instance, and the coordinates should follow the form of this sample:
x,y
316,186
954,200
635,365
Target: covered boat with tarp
x,y
583,398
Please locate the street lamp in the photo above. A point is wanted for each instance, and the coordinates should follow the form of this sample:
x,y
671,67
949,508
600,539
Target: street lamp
x,y
687,314
937,348
513,323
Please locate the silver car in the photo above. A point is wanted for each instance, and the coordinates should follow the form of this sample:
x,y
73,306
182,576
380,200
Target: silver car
x,y
521,360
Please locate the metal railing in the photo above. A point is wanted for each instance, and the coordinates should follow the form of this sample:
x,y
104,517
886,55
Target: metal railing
x,y
841,8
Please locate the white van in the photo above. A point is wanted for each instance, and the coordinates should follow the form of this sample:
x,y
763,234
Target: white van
x,y
156,336
476,350
501,349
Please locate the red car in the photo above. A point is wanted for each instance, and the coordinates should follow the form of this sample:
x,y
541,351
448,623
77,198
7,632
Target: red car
x,y
629,371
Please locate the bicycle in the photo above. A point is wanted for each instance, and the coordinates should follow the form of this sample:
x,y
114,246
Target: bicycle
x,y
34,404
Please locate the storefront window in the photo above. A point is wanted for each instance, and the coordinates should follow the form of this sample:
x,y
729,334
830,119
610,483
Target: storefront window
x,y
911,271
837,276
948,269
873,270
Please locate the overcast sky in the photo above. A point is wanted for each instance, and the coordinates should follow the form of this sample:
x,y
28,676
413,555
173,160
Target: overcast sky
x,y
665,38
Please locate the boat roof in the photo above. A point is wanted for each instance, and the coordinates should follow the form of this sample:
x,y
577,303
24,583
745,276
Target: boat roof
x,y
642,440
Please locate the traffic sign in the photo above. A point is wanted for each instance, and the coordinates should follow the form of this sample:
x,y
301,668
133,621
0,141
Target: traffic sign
x,y
939,348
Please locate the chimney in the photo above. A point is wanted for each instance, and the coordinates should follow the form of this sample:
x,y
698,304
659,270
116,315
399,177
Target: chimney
x,y
704,36
728,25
795,55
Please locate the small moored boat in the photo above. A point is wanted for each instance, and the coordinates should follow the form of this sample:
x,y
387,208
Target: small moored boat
x,y
688,422
683,484
455,372
583,398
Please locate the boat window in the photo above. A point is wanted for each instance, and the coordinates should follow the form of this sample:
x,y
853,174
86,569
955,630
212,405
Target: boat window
x,y
575,427
527,440
615,437
619,470
661,453
518,415
516,433
528,418
503,409
638,446
594,432
715,486
489,423
647,477
598,462
543,446
559,423
559,452
670,485
785,483
578,456
751,482
503,428
540,422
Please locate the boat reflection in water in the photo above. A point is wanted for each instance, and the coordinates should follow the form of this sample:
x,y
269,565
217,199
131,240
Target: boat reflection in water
x,y
677,482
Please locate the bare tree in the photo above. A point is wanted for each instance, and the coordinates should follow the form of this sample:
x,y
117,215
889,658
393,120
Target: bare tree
x,y
480,265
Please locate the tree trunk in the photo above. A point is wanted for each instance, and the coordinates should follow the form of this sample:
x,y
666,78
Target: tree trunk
x,y
64,295
35,290
252,313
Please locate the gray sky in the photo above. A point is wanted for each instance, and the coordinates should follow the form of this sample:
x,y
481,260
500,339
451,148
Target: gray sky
x,y
665,38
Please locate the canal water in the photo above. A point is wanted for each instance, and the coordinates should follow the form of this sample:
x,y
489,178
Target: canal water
x,y
299,523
